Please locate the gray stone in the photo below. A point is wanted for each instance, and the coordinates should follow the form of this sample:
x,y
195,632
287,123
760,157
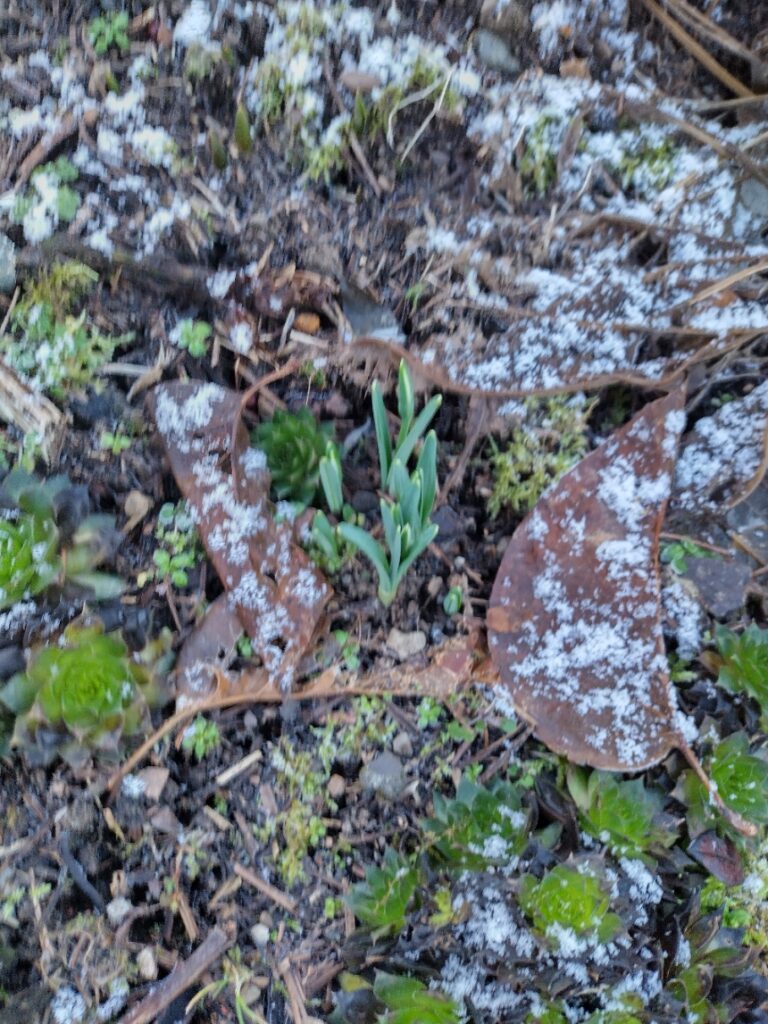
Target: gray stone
x,y
384,776
494,53
7,264
721,583
402,745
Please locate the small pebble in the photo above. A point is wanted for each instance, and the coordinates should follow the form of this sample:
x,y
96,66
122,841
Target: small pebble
x,y
384,776
147,963
405,645
118,909
402,745
337,787
260,935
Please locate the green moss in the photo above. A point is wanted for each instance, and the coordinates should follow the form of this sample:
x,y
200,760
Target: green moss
x,y
51,345
552,440
648,164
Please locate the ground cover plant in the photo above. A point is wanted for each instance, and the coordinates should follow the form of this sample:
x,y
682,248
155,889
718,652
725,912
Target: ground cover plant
x,y
383,621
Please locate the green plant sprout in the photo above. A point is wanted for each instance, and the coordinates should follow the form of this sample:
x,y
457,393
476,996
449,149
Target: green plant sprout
x,y
453,601
294,444
538,162
624,815
193,336
568,900
179,547
83,696
202,737
428,712
648,165
238,977
33,553
48,200
382,900
742,782
538,453
116,443
745,905
674,554
242,130
325,545
109,30
350,649
406,512
409,1001
744,664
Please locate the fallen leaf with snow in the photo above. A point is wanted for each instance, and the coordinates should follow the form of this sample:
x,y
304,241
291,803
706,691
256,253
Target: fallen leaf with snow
x,y
272,587
724,457
574,619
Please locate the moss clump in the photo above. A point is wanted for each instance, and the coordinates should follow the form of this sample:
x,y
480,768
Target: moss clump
x,y
552,439
52,346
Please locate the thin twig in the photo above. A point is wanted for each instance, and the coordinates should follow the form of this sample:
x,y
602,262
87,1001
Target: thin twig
x,y
185,974
270,891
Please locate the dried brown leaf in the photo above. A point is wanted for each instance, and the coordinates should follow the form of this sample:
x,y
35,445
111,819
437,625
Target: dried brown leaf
x,y
276,591
574,617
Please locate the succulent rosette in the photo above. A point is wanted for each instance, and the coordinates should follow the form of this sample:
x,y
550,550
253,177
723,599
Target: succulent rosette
x,y
294,443
28,555
46,537
84,695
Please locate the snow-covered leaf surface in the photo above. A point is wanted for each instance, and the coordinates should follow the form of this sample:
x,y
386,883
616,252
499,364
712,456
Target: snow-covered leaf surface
x,y
276,591
574,617
722,454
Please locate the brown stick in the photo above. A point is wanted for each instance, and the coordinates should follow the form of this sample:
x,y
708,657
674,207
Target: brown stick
x,y
48,143
186,973
276,895
697,50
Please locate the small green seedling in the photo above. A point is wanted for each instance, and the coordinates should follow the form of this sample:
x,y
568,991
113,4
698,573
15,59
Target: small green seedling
x,y
326,545
178,548
109,30
480,828
193,336
409,1001
116,443
202,737
48,199
34,554
453,601
350,649
405,514
242,132
741,779
51,345
675,553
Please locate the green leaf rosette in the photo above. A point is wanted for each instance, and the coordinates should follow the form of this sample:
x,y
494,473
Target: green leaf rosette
x,y
80,697
28,556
